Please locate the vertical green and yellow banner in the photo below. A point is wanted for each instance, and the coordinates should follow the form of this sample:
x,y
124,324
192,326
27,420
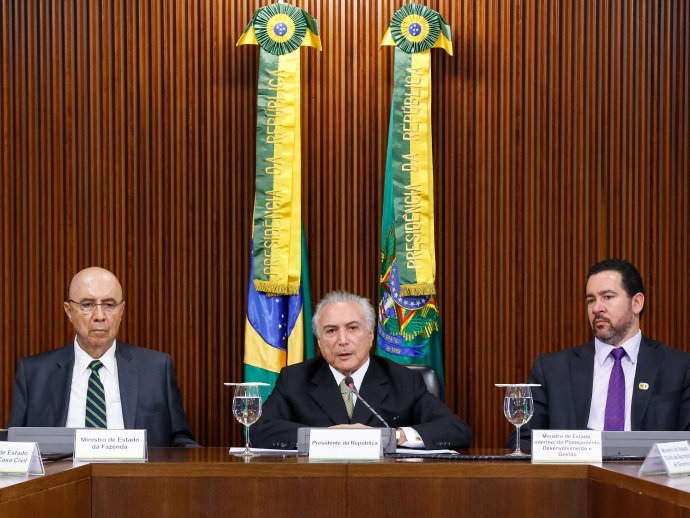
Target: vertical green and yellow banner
x,y
278,301
409,328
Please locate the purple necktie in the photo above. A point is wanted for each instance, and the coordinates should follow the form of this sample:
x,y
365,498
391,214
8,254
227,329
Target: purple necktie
x,y
614,419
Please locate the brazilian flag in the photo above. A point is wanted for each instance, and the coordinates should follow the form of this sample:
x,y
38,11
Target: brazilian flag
x,y
277,330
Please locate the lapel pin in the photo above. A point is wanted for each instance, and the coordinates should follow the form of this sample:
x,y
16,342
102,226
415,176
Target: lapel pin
x,y
644,386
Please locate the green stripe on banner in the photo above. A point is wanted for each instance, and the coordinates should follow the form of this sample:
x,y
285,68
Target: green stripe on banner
x,y
401,149
309,349
264,155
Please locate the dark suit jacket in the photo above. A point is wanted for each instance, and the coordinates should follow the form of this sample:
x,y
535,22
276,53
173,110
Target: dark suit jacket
x,y
149,393
563,401
306,394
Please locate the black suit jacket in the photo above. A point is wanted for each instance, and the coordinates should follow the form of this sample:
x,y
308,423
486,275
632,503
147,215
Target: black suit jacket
x,y
149,393
565,396
306,394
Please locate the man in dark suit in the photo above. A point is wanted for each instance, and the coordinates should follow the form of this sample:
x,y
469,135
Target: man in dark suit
x,y
578,384
139,386
314,393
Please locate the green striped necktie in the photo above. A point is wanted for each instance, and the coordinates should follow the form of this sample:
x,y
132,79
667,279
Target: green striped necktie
x,y
95,399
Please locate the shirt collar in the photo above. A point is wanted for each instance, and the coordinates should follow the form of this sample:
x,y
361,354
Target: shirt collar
x,y
82,359
356,376
631,346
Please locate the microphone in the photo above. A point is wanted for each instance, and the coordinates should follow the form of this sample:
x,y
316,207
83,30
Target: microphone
x,y
351,384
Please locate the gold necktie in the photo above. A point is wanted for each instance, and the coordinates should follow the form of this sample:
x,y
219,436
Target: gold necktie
x,y
347,398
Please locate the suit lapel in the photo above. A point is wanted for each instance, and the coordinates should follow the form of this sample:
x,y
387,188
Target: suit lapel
x,y
61,383
648,361
582,376
128,376
326,394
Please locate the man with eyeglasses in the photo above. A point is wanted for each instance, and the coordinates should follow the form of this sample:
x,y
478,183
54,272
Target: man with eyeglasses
x,y
98,381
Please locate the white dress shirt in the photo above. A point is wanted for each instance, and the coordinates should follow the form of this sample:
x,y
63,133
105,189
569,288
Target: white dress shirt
x,y
413,438
76,413
603,363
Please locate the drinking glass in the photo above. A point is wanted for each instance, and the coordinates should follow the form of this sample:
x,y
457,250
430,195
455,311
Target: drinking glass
x,y
246,407
518,408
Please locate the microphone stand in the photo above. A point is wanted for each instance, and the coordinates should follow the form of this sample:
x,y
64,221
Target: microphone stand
x,y
351,385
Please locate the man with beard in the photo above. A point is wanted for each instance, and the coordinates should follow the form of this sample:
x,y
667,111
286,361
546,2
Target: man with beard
x,y
621,380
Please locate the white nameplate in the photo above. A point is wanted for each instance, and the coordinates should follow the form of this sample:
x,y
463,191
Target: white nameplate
x,y
566,446
20,458
345,444
671,458
103,445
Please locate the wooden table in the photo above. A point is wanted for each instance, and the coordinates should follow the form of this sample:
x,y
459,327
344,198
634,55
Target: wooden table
x,y
208,482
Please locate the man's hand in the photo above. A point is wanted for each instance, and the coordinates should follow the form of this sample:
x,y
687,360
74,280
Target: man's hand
x,y
402,438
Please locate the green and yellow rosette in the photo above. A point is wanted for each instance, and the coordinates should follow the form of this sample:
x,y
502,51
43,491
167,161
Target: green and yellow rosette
x,y
414,30
279,30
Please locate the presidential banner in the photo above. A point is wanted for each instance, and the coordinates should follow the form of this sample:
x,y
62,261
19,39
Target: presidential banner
x,y
409,328
278,302
279,30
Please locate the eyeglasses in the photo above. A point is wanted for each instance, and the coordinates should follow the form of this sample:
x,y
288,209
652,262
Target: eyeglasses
x,y
86,308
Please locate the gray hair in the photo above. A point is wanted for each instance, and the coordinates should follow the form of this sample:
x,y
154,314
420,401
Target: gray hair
x,y
344,296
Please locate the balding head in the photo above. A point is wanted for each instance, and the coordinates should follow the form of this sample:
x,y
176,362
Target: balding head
x,y
95,307
88,277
